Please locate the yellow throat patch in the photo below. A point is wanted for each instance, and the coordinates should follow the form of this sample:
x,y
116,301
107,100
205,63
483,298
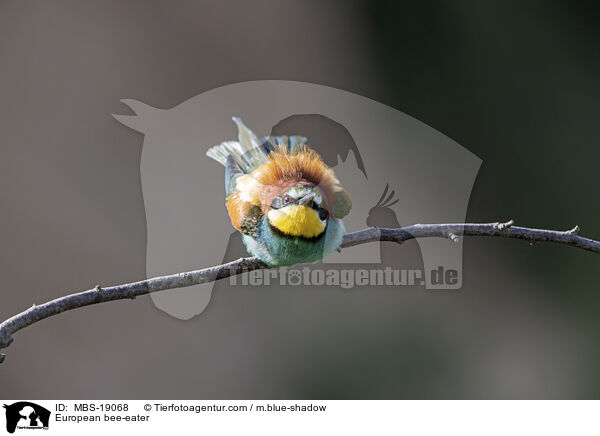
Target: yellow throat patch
x,y
296,220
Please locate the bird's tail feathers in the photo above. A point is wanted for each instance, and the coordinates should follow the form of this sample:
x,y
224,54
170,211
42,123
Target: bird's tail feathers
x,y
249,152
246,151
288,144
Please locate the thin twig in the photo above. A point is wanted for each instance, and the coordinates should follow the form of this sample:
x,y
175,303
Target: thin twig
x,y
132,290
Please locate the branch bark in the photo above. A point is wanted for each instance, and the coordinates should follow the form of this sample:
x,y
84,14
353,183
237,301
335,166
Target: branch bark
x,y
132,290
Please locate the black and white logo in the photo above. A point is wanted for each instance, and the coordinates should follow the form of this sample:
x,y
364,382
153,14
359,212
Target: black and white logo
x,y
26,415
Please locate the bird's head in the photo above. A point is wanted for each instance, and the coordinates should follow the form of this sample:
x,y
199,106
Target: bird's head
x,y
299,211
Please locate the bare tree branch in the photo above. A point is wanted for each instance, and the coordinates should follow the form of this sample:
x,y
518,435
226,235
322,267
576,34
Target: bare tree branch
x,y
371,234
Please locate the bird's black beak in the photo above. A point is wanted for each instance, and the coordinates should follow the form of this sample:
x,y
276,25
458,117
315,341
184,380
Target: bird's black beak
x,y
306,199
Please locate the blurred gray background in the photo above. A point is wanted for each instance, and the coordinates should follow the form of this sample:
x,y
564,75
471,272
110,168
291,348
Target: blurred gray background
x,y
514,82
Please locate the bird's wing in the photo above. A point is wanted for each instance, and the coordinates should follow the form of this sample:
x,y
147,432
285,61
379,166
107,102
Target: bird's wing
x,y
245,215
232,172
342,202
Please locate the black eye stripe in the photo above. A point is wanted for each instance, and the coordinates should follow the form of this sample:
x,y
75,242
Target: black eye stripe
x,y
279,202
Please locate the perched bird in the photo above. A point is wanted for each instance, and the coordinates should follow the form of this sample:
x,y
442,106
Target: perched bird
x,y
281,196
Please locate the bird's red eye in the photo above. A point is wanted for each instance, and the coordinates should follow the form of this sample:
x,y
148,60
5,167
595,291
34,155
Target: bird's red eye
x,y
287,199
